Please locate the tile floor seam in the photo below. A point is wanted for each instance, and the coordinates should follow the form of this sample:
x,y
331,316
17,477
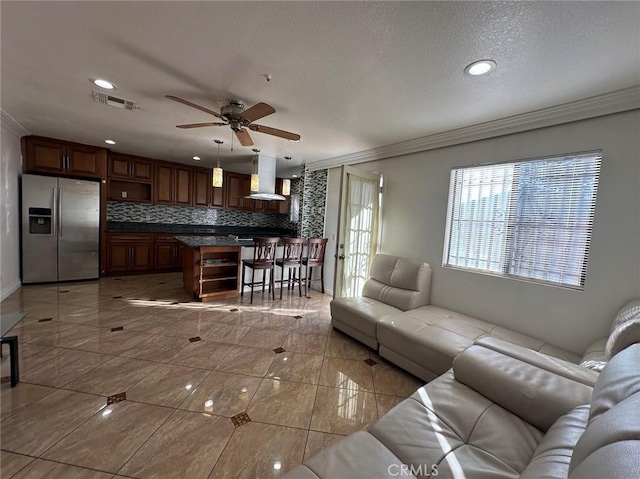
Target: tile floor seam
x,y
20,409
70,432
146,440
23,467
68,464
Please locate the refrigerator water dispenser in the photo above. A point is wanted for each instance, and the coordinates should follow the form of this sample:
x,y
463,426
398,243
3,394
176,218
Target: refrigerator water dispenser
x,y
39,221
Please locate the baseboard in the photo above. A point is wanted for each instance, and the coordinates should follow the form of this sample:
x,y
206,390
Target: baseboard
x,y
8,291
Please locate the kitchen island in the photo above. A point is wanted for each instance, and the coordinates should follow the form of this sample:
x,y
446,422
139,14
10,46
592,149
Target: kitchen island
x,y
211,266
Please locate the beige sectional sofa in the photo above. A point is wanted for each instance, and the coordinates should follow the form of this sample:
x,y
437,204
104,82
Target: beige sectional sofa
x,y
393,316
504,411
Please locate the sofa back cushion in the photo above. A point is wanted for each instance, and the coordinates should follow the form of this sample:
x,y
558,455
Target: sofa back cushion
x,y
610,446
622,334
400,282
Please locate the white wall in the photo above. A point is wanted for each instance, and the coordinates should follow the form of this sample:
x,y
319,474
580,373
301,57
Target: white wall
x,y
10,205
414,216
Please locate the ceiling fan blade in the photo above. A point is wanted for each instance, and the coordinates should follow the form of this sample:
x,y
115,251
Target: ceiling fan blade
x,y
275,132
244,137
257,111
193,105
201,125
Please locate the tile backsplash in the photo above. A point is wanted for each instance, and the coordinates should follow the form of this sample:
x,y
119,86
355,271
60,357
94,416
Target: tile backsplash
x,y
314,197
311,188
144,213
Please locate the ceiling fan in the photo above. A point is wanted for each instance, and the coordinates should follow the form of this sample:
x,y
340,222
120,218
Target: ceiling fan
x,y
240,120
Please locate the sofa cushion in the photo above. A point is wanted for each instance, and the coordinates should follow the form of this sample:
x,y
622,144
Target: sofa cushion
x,y
449,425
399,282
521,387
359,455
361,314
610,445
552,457
432,337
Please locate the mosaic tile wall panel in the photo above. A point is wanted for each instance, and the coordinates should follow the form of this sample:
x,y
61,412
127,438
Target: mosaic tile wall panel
x,y
143,213
314,197
311,187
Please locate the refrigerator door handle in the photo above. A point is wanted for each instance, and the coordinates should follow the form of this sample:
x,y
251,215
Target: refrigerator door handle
x,y
60,212
55,211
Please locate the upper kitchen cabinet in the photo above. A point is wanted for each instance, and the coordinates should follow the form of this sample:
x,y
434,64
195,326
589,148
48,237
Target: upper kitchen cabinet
x,y
183,187
163,192
237,186
204,194
46,155
172,184
130,167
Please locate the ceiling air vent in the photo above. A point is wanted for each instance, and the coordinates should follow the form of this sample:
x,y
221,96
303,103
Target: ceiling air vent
x,y
111,100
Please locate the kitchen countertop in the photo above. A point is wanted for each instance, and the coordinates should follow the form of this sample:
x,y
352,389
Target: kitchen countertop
x,y
185,229
199,241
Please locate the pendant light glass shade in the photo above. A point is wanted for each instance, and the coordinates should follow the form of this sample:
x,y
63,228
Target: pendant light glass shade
x,y
286,187
255,183
216,179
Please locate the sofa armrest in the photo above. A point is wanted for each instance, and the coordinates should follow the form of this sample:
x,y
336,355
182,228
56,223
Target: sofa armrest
x,y
529,391
594,356
554,365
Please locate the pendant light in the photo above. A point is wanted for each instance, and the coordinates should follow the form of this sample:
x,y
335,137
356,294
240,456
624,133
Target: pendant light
x,y
286,183
216,181
255,179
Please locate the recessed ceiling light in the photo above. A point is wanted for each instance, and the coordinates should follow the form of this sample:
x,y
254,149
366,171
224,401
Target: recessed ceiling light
x,y
106,84
110,142
294,176
197,158
481,67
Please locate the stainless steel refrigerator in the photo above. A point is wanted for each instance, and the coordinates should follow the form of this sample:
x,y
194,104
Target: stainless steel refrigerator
x,y
60,229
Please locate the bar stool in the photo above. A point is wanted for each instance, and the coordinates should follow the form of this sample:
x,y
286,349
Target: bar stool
x,y
291,259
314,258
264,254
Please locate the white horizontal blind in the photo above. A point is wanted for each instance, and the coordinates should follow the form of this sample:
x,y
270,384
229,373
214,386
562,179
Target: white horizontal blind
x,y
529,219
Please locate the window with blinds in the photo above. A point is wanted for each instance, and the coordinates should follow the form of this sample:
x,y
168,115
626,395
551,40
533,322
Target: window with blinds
x,y
529,219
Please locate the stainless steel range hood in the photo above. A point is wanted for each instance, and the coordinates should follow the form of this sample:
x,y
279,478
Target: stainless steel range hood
x,y
265,167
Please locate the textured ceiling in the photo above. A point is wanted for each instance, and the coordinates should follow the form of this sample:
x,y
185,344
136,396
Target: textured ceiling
x,y
347,76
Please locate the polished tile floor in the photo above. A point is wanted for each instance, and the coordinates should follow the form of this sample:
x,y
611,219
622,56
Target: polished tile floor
x,y
125,377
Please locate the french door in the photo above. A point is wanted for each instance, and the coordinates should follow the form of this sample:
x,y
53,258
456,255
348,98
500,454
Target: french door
x,y
357,230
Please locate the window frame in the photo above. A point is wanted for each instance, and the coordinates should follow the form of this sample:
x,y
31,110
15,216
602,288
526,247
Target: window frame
x,y
504,273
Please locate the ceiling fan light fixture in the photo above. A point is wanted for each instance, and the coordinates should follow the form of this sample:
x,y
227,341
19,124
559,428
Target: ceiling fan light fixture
x,y
480,67
102,83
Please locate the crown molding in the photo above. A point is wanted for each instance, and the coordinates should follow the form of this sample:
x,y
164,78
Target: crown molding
x,y
12,125
600,105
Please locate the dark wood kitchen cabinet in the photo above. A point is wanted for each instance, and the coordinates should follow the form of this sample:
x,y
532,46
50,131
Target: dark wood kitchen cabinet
x,y
172,184
168,253
163,186
46,155
202,187
130,167
182,194
129,252
234,190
